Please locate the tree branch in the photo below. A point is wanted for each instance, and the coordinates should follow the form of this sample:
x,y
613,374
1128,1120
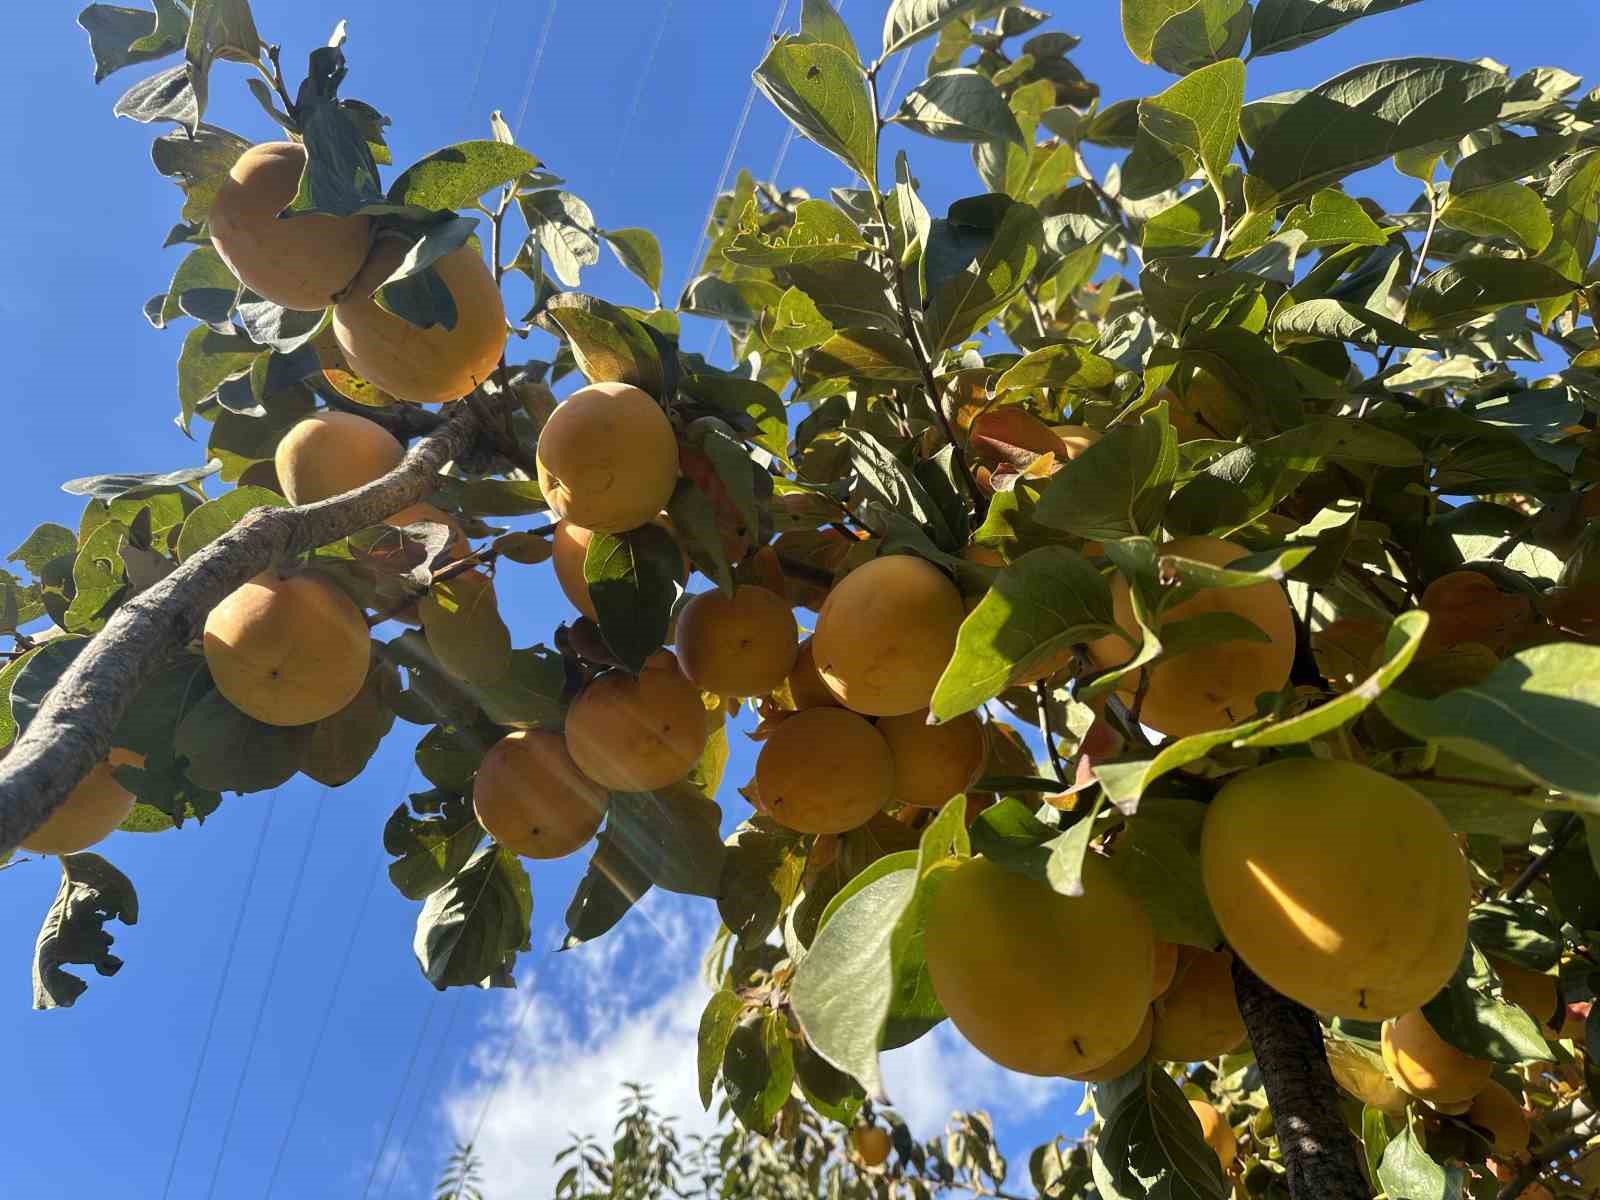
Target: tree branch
x,y
405,421
1563,834
1540,1163
1321,1156
72,731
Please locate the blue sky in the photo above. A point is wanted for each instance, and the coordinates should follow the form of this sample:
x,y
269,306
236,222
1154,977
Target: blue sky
x,y
635,103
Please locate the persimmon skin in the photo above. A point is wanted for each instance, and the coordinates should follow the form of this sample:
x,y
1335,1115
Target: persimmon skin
x,y
932,763
1138,1050
1166,968
299,262
1498,1111
608,458
1341,887
91,812
1198,1017
638,734
1366,1080
423,366
740,645
532,799
1427,1066
570,546
886,633
330,453
428,514
1467,606
287,650
825,770
871,1145
1218,1134
1005,953
1209,687
806,688
1539,995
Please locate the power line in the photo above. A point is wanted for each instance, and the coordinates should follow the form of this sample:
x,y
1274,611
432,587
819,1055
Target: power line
x,y
400,1094
727,161
429,1079
222,986
327,1012
505,1065
266,991
483,56
533,71
638,92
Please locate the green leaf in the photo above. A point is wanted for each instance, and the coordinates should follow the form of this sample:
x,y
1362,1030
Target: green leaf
x,y
1365,115
874,354
342,745
1183,227
37,673
959,106
694,521
456,176
908,21
165,96
1407,1171
672,836
1339,321
638,251
1468,1015
842,988
1205,32
845,293
528,696
1003,240
609,888
1501,210
1508,159
341,175
1151,1145
822,91
1141,19
795,325
1399,648
218,29
1158,858
760,879
461,618
429,851
206,360
231,752
1281,25
1059,366
607,343
1037,608
98,578
202,283
717,1023
92,892
1474,287
470,930
758,1069
819,232
1119,486
1532,718
41,547
1331,218
214,518
1521,931
1572,191
633,581
820,20
1193,124
122,37
564,225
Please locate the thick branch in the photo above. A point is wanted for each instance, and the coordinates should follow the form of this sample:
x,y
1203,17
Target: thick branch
x,y
72,731
1321,1155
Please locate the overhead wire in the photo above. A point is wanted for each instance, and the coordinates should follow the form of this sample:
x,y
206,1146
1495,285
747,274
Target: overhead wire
x,y
621,140
399,1096
430,1078
483,57
326,1019
533,71
727,160
266,991
222,987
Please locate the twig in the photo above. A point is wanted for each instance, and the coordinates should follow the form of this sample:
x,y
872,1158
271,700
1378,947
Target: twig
x,y
913,335
276,79
1564,832
1041,693
72,730
1535,1167
405,421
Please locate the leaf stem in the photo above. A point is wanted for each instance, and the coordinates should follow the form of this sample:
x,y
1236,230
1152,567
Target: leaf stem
x,y
1563,833
1041,693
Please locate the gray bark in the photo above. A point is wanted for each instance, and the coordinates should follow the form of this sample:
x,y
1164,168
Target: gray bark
x,y
1320,1153
72,731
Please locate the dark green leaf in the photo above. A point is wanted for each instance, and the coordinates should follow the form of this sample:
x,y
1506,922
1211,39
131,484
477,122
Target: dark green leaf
x,y
231,752
633,581
609,888
461,618
429,851
822,91
908,21
1407,1171
92,892
1521,931
1340,321
717,1023
43,545
1507,210
214,518
1002,240
1205,32
640,252
218,29
1151,1145
673,837
607,343
118,37
1192,125
1281,25
166,96
1119,486
959,106
470,930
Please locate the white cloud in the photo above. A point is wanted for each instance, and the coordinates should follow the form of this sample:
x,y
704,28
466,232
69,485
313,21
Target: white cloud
x,y
627,1009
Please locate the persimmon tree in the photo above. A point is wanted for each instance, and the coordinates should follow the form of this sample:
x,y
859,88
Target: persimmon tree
x,y
1267,508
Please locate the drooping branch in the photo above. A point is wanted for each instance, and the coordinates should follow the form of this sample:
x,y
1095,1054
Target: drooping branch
x,y
72,730
1320,1153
